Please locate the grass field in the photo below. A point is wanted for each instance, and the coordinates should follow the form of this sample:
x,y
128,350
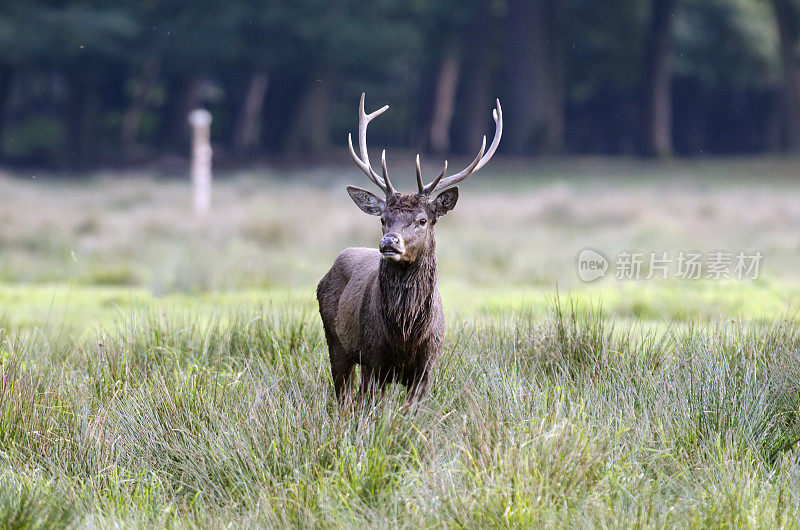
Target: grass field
x,y
158,370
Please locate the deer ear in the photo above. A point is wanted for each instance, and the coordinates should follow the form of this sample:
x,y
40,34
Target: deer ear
x,y
445,201
368,202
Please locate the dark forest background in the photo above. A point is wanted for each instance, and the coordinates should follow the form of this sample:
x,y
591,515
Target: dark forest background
x,y
87,83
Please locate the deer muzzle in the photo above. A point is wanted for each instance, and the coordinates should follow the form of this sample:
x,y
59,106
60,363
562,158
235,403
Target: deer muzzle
x,y
392,247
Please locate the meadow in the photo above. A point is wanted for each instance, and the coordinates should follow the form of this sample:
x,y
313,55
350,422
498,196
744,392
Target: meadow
x,y
160,369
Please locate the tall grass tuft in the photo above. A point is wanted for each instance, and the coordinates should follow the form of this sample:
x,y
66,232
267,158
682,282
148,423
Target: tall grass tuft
x,y
561,418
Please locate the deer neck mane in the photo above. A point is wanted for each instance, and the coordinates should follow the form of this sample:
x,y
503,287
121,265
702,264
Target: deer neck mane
x,y
407,294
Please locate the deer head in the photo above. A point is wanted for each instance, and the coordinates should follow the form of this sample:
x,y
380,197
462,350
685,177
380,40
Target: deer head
x,y
408,219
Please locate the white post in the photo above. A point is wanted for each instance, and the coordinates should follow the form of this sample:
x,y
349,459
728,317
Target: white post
x,y
200,120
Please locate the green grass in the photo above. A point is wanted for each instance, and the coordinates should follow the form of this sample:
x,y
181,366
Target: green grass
x,y
163,370
560,417
75,308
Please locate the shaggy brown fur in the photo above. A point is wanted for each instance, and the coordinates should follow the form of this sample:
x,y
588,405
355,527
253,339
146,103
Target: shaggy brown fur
x,y
385,313
405,203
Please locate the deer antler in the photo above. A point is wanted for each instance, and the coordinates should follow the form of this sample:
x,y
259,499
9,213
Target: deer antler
x,y
363,162
440,183
433,184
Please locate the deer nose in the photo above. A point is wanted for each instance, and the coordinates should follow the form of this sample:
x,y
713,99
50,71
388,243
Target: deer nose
x,y
391,242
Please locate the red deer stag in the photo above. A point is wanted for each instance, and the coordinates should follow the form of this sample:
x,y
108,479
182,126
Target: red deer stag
x,y
381,309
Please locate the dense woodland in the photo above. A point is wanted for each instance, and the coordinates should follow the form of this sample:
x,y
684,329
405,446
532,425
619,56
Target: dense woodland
x,y
85,83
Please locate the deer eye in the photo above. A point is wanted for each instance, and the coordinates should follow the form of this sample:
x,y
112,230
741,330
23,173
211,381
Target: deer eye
x,y
422,221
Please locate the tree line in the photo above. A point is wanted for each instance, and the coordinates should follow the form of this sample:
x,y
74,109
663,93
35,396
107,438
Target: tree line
x,y
88,82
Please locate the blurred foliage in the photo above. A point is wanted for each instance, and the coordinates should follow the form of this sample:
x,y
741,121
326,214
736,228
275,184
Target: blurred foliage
x,y
727,42
75,70
34,137
604,45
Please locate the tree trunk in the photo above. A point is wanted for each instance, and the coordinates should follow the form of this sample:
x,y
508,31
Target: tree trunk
x,y
245,135
132,120
535,109
787,13
310,131
478,72
554,134
183,95
74,155
774,124
657,96
6,79
445,101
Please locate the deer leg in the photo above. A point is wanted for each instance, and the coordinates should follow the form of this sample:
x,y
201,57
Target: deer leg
x,y
367,383
374,381
342,379
341,367
417,387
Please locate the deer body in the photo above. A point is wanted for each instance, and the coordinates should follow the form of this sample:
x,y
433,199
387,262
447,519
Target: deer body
x,y
390,322
381,309
385,315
